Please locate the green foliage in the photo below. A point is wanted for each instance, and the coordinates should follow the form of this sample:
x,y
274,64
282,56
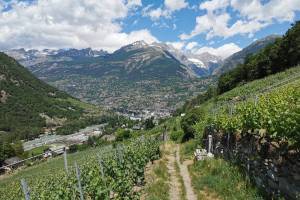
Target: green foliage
x,y
158,189
18,148
216,110
187,149
122,167
177,136
6,150
201,98
283,54
218,178
123,134
188,122
37,151
26,99
149,124
278,112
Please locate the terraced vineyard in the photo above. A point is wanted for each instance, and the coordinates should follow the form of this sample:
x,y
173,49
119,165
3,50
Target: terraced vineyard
x,y
104,173
276,111
272,98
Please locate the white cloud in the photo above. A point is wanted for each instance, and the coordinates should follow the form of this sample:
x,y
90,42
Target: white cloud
x,y
174,5
253,16
177,45
46,24
134,3
213,25
273,10
191,45
170,6
174,26
156,14
214,5
223,51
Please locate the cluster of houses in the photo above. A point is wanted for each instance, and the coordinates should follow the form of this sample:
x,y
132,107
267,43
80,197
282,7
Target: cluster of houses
x,y
13,163
57,146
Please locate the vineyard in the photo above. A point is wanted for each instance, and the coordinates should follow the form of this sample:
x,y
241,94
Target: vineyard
x,y
277,112
108,172
271,103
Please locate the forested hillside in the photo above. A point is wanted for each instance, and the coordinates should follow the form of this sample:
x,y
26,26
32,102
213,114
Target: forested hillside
x,y
29,106
279,56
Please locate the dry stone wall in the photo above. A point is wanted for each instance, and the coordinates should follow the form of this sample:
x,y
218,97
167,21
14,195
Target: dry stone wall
x,y
272,165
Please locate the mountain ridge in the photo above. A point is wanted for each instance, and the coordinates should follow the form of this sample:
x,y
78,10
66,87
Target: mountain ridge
x,y
138,75
239,57
29,103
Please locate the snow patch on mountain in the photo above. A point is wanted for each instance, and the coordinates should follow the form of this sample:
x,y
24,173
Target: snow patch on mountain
x,y
197,62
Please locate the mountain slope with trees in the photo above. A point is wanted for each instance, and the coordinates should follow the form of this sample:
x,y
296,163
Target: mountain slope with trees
x,y
138,76
28,106
276,57
238,58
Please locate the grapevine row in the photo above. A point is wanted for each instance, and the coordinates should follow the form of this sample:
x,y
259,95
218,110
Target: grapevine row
x,y
105,175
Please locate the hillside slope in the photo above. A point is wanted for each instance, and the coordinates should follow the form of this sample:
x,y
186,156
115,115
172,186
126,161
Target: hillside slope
x,y
27,105
238,58
274,58
138,76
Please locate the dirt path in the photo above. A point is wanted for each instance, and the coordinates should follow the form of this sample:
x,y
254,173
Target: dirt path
x,y
178,185
174,192
184,173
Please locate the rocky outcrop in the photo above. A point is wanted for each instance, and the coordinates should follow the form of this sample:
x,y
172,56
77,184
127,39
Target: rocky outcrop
x,y
3,96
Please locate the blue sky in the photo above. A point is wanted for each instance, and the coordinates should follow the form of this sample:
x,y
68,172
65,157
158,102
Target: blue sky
x,y
221,27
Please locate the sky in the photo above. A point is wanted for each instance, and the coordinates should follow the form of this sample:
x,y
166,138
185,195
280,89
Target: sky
x,y
220,27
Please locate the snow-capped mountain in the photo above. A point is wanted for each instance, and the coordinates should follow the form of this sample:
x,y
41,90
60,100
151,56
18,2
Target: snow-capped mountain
x,y
151,76
201,64
32,56
137,54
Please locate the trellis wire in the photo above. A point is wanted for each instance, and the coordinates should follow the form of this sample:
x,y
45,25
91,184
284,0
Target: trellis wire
x,y
25,189
101,166
66,162
120,153
78,181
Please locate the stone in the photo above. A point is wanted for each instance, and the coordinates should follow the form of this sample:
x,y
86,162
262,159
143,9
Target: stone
x,y
258,181
262,132
275,144
3,96
113,195
263,141
292,152
272,184
136,189
272,175
288,189
296,176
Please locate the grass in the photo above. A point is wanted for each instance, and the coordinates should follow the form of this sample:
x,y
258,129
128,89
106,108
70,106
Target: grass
x,y
187,150
158,185
37,151
179,177
217,177
158,188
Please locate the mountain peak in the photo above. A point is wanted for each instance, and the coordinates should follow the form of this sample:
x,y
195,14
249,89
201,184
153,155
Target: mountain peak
x,y
139,43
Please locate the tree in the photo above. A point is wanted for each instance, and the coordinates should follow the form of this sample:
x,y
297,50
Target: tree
x,y
149,124
122,134
6,150
284,53
187,124
18,148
